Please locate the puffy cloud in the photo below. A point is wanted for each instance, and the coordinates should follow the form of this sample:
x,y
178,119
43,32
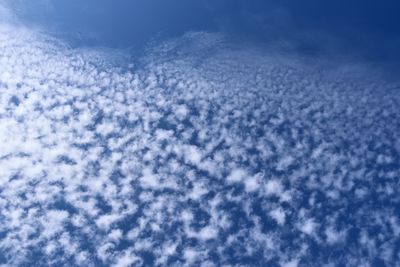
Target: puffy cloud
x,y
237,175
278,215
190,158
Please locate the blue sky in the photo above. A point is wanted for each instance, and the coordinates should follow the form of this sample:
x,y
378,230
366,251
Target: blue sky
x,y
240,134
369,28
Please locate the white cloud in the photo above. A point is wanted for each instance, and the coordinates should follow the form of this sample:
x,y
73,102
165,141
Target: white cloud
x,y
149,179
251,184
284,163
333,236
192,154
181,111
292,263
273,187
278,215
308,226
207,233
126,260
92,157
104,222
237,175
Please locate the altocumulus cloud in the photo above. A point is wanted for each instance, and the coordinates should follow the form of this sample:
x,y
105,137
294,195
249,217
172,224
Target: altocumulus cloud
x,y
206,155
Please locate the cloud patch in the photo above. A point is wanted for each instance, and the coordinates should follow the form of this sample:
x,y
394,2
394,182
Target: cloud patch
x,y
229,157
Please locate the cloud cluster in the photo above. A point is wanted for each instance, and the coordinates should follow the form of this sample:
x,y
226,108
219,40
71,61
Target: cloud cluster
x,y
206,155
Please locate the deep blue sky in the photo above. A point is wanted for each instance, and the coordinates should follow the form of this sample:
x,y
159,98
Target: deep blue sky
x,y
368,28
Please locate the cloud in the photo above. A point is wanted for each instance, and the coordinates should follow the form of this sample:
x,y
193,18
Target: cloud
x,y
208,153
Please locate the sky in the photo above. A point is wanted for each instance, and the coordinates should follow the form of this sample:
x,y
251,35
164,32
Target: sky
x,y
203,133
367,29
